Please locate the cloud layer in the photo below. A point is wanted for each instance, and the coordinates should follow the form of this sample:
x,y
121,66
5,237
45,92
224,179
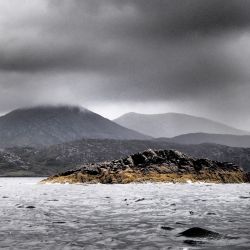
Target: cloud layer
x,y
185,55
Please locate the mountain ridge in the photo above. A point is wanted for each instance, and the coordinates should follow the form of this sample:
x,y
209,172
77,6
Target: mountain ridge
x,y
221,139
174,124
47,125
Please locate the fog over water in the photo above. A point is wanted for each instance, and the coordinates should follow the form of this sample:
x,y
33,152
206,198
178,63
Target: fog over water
x,y
131,216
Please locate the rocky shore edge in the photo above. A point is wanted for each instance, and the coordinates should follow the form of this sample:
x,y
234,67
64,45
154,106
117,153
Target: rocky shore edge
x,y
154,166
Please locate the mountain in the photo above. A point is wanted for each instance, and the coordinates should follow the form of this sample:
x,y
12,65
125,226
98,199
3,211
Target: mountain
x,y
47,125
154,166
173,124
198,138
28,161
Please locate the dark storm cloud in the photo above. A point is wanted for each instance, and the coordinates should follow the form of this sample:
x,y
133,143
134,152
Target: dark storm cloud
x,y
189,17
76,34
51,58
124,50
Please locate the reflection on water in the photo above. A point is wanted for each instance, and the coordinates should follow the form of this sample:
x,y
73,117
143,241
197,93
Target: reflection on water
x,y
132,216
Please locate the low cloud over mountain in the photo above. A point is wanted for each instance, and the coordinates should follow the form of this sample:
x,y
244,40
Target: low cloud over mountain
x,y
47,125
181,56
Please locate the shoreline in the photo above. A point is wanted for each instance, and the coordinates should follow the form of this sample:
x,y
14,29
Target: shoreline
x,y
124,178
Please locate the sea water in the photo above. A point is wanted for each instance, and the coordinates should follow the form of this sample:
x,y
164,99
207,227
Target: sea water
x,y
124,216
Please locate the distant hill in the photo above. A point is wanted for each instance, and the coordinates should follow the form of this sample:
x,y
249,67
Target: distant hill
x,y
47,125
198,138
174,124
27,161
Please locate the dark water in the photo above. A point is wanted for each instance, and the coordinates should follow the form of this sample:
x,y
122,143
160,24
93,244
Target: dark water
x,y
35,216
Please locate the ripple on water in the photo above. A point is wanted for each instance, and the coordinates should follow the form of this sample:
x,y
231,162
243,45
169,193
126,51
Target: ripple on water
x,y
132,216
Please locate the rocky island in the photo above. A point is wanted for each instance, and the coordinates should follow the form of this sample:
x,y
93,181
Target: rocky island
x,y
153,166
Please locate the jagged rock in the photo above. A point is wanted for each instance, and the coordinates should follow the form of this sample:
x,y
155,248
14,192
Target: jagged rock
x,y
248,176
31,207
92,170
152,165
167,228
193,242
211,213
244,197
199,232
142,199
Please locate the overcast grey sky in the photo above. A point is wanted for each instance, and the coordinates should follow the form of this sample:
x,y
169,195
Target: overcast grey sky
x,y
116,56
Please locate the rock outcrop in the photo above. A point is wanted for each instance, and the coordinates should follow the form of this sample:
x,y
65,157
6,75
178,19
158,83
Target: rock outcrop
x,y
200,233
153,166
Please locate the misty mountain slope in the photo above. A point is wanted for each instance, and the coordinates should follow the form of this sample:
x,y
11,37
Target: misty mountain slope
x,y
198,138
56,124
173,124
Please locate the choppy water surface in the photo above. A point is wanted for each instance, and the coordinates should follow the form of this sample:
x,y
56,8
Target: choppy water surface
x,y
54,216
